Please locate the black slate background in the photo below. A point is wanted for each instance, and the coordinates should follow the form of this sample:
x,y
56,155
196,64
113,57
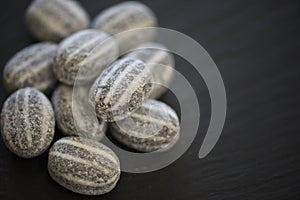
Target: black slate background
x,y
256,46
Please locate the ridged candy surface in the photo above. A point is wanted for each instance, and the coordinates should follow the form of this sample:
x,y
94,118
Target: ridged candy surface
x,y
31,67
27,123
83,166
83,55
53,20
120,89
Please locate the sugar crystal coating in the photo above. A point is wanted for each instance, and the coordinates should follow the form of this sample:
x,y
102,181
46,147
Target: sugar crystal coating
x,y
27,123
83,166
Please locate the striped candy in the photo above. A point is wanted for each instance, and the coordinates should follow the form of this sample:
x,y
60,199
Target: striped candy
x,y
71,109
31,67
154,126
120,89
87,53
159,62
83,166
124,17
53,20
27,123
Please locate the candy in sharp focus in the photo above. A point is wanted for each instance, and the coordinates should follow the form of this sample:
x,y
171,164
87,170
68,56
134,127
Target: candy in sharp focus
x,y
53,20
83,55
83,166
120,89
27,123
154,126
127,16
31,67
160,63
70,109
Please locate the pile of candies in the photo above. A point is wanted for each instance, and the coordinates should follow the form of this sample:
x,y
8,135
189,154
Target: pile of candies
x,y
78,55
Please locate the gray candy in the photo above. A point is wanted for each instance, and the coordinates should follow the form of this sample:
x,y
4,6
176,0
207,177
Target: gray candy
x,y
154,126
127,16
53,20
120,89
70,109
27,123
31,67
87,53
83,166
161,64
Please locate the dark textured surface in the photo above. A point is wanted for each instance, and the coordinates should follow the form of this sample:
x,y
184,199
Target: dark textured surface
x,y
256,46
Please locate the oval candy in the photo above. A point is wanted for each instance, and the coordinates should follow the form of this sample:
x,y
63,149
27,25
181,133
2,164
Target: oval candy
x,y
31,67
83,166
83,55
120,89
53,20
27,123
